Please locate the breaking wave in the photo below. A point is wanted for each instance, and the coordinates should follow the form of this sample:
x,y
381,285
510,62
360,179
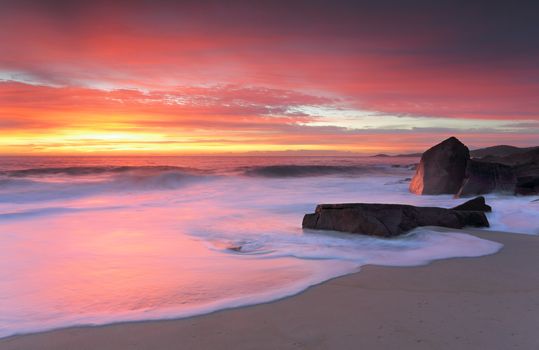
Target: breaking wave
x,y
314,170
95,170
44,184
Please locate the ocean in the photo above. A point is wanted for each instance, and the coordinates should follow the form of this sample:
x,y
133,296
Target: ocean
x,y
96,240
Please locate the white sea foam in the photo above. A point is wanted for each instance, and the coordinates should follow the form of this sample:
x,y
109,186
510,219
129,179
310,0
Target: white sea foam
x,y
128,245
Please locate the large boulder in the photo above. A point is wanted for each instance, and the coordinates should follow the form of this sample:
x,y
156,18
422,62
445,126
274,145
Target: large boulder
x,y
484,177
442,168
388,220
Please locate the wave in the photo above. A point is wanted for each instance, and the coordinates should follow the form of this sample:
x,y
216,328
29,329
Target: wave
x,y
6,182
271,171
94,170
47,184
418,247
313,170
25,214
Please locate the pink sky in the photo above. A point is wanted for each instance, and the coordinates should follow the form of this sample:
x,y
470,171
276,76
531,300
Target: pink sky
x,y
159,77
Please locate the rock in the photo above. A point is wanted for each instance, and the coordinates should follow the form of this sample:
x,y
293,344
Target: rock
x,y
525,165
527,171
484,177
235,248
448,169
527,186
527,157
499,151
442,168
388,220
476,204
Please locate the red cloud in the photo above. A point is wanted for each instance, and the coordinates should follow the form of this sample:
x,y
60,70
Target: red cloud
x,y
224,114
400,63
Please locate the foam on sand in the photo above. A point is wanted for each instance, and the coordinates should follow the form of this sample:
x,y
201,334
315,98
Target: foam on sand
x,y
163,245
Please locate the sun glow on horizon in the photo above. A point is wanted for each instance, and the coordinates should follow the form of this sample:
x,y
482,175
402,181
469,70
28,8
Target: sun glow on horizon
x,y
83,142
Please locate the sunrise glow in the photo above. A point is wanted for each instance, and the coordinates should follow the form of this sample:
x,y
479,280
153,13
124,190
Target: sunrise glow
x,y
245,78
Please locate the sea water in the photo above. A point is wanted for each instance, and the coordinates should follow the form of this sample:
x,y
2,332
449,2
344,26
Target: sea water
x,y
95,240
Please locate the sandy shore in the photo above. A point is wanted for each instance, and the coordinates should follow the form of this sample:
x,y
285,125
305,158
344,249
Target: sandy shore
x,y
477,303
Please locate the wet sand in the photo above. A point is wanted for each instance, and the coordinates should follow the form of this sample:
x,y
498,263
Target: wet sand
x,y
489,302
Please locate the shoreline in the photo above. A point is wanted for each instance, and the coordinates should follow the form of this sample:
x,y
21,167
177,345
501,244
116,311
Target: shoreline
x,y
467,303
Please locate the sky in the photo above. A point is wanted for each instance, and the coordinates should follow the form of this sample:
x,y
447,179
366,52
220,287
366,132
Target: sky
x,y
290,77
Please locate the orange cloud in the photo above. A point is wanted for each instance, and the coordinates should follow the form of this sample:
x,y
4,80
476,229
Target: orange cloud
x,y
44,119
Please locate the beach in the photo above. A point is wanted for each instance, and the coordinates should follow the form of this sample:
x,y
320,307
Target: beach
x,y
269,175
490,302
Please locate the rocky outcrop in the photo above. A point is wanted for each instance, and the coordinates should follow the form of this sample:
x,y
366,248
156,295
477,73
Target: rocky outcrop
x,y
388,220
448,169
525,158
483,177
442,168
499,151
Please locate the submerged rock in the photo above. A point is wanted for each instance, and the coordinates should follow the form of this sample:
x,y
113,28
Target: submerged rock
x,y
441,169
388,220
235,248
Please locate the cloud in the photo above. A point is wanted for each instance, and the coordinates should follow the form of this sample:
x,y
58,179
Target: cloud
x,y
534,125
218,118
266,74
189,106
444,60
